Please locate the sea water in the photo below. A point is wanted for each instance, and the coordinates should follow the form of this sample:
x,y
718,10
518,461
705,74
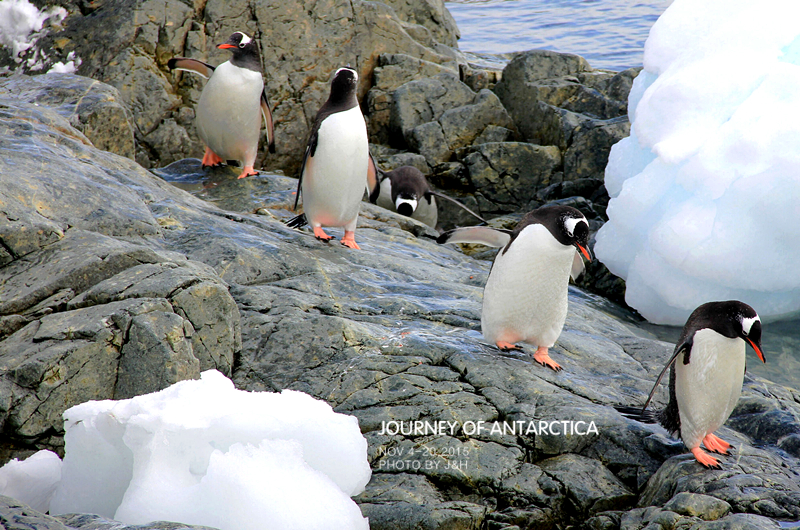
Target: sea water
x,y
610,34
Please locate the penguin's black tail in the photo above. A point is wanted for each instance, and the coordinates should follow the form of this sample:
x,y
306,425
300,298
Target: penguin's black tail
x,y
639,414
297,222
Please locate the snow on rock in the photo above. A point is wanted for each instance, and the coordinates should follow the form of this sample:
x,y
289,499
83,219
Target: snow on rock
x,y
33,480
19,19
202,452
706,190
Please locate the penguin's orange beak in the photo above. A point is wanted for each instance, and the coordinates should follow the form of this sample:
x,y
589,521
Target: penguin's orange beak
x,y
758,350
583,251
225,46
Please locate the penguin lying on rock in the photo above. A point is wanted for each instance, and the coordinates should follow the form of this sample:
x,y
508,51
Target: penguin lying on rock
x,y
705,380
232,104
405,190
525,298
337,165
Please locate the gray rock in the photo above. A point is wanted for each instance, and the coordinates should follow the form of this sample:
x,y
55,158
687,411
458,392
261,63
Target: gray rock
x,y
95,109
431,14
590,486
508,174
158,353
392,71
423,101
697,505
587,155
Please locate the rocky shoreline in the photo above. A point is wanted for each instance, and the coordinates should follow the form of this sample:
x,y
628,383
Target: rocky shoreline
x,y
114,282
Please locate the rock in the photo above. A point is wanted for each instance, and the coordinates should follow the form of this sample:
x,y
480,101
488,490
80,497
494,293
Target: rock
x,y
95,109
508,174
431,14
587,155
424,101
104,259
589,485
696,505
392,71
83,294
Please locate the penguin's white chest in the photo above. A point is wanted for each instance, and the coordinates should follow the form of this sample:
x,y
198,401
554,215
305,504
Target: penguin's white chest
x,y
229,112
708,388
336,176
525,298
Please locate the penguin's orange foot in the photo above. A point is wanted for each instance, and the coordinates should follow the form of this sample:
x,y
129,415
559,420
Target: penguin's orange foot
x,y
349,240
542,357
247,172
706,459
320,234
716,444
211,158
507,346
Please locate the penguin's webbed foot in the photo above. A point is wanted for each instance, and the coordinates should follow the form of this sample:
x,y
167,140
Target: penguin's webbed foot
x,y
320,234
349,240
706,459
716,444
248,171
211,159
507,346
542,357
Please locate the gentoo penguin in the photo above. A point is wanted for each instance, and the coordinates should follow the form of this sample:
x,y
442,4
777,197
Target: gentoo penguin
x,y
405,190
337,165
232,104
705,380
525,298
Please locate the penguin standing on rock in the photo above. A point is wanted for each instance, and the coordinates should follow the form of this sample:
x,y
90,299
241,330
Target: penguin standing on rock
x,y
337,166
405,190
232,104
705,380
525,298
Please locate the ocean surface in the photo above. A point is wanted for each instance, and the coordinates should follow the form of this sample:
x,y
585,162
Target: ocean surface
x,y
610,34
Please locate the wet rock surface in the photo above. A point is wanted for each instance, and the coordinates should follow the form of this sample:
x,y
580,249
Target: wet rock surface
x,y
101,256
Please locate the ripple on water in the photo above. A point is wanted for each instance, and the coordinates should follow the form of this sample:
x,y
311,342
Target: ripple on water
x,y
609,35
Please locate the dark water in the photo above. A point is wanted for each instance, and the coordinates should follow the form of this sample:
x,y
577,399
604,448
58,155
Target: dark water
x,y
610,34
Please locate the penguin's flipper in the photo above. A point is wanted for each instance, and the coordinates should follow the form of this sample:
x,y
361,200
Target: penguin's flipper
x,y
267,114
685,345
297,221
577,267
310,150
462,205
191,65
484,235
374,178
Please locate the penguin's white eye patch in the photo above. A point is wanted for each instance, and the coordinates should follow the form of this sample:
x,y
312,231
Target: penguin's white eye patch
x,y
245,40
747,324
571,222
355,74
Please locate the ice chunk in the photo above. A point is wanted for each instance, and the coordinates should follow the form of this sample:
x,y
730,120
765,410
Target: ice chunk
x,y
32,480
705,192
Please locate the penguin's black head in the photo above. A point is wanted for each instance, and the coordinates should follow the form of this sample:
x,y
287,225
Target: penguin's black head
x,y
409,185
406,204
245,51
732,319
571,227
344,84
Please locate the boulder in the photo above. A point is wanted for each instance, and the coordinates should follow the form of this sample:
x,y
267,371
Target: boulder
x,y
507,175
95,109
